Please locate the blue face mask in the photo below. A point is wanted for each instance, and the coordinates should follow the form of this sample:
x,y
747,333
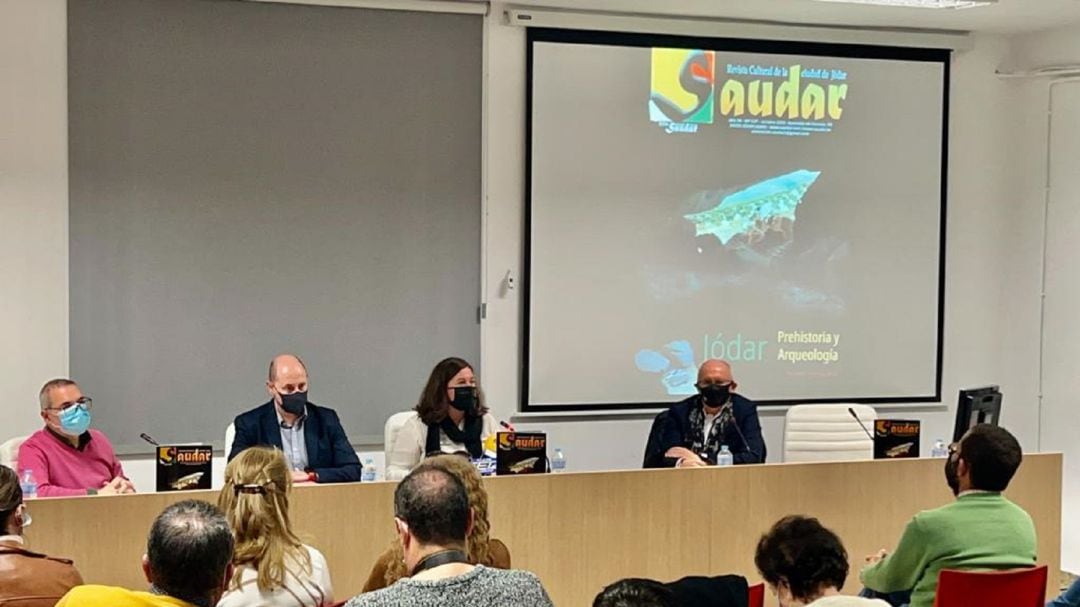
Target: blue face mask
x,y
74,420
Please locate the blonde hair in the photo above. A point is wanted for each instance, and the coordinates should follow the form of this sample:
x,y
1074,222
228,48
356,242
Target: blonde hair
x,y
478,547
255,500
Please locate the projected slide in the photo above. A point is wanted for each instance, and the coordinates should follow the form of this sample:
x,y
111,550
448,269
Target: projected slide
x,y
779,210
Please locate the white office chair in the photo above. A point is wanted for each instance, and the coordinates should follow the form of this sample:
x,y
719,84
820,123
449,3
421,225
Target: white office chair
x,y
230,436
822,433
9,452
391,430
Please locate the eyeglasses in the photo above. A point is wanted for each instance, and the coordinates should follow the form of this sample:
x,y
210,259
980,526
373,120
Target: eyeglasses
x,y
954,448
85,401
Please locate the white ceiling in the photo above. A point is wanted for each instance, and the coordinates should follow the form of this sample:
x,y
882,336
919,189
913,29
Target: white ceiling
x,y
1008,16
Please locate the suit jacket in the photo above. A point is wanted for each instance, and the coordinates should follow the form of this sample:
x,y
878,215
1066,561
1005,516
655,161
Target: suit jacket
x,y
31,579
329,453
675,431
719,591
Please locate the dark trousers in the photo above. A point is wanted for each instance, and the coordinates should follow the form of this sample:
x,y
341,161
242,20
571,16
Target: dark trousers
x,y
896,599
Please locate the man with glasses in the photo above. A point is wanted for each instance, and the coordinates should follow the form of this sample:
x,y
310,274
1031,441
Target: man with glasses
x,y
67,457
27,578
311,436
696,429
981,530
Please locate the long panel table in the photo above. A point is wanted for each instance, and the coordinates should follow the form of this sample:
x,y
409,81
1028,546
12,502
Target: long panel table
x,y
580,531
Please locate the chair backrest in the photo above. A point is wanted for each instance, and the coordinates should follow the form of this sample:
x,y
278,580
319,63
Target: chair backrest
x,y
757,595
653,457
391,430
821,433
1012,588
230,436
9,452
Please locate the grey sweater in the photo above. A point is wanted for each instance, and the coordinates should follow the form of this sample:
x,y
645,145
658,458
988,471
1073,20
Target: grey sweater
x,y
481,587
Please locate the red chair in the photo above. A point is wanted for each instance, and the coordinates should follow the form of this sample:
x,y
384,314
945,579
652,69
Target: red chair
x,y
757,595
1012,588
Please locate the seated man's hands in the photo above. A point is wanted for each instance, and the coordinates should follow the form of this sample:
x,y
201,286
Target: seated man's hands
x,y
686,457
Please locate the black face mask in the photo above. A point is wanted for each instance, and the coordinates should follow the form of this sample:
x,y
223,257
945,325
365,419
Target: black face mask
x,y
714,395
294,403
951,475
464,398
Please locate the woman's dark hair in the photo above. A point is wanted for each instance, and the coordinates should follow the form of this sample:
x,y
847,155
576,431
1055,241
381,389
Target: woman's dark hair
x,y
10,494
635,592
802,553
433,401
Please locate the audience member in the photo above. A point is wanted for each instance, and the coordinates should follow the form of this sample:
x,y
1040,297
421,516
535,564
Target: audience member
x,y
188,563
450,418
483,550
636,592
27,578
433,520
980,530
1069,598
273,567
806,564
67,457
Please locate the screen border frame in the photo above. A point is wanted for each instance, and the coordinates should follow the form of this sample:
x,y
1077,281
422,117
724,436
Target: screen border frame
x,y
744,45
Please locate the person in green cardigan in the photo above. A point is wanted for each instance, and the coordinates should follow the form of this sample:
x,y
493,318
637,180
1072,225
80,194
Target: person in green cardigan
x,y
981,530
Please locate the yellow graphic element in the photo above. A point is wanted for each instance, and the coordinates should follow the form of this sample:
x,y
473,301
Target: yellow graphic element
x,y
667,64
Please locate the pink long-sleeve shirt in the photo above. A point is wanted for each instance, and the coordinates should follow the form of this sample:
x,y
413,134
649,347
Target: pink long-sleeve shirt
x,y
62,470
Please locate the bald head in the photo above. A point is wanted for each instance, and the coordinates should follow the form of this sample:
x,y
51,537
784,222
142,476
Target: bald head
x,y
285,364
287,375
714,371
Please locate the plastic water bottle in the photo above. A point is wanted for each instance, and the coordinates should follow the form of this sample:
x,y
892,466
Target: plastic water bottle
x,y
369,472
28,484
558,461
939,449
725,458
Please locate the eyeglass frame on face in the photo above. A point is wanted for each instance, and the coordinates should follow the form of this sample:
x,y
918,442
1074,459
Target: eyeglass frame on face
x,y
85,401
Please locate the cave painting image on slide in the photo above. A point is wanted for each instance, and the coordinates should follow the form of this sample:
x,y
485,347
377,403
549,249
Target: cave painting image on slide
x,y
755,224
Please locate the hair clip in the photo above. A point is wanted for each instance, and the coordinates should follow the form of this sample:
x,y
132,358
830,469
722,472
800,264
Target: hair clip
x,y
252,489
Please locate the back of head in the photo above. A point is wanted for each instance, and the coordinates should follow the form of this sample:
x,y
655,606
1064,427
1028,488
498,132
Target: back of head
x,y
993,455
255,500
10,496
802,554
635,592
435,506
189,551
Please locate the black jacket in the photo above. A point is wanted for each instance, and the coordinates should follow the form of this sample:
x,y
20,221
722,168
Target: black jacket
x,y
329,453
672,429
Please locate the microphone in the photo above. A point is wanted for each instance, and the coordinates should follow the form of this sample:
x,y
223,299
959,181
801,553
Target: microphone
x,y
861,425
507,426
731,416
146,437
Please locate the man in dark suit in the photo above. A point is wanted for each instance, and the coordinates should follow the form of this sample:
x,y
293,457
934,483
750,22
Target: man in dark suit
x,y
311,436
696,428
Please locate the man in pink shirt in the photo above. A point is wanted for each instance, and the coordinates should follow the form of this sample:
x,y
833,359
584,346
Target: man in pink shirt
x,y
66,457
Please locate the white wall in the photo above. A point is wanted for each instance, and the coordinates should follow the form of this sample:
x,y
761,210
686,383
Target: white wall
x,y
1059,425
33,205
979,346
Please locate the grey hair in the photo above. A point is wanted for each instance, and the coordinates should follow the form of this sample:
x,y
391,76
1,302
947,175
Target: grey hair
x,y
189,549
43,396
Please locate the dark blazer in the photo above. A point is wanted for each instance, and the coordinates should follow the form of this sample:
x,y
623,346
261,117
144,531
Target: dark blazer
x,y
720,591
675,432
330,455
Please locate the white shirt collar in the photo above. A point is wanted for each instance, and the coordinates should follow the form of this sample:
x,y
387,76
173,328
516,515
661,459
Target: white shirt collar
x,y
18,539
975,492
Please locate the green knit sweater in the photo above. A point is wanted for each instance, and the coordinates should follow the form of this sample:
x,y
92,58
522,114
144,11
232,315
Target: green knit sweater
x,y
977,531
